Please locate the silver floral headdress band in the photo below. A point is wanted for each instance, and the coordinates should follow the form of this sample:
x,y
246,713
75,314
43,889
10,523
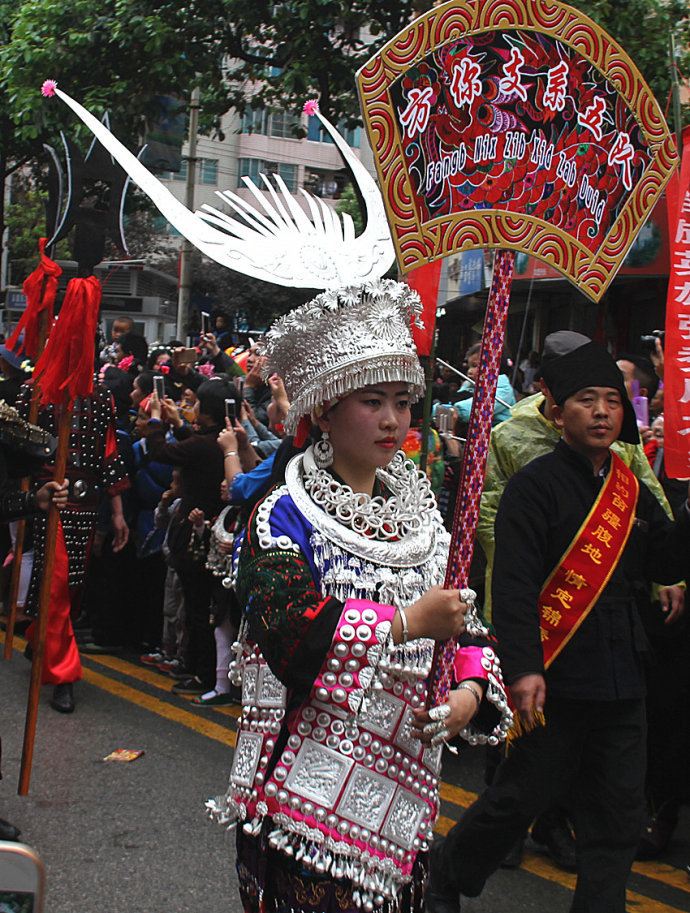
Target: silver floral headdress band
x,y
342,340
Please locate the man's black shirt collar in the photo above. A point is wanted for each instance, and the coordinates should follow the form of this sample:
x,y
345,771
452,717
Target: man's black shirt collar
x,y
582,462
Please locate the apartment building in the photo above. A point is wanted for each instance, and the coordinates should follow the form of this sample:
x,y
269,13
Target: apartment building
x,y
264,142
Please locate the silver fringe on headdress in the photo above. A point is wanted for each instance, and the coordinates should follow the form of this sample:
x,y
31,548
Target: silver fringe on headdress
x,y
342,340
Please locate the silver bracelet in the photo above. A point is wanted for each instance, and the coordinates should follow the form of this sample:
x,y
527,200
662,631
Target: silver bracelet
x,y
465,686
405,629
231,453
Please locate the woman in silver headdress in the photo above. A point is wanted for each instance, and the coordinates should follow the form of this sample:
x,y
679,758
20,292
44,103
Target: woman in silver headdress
x,y
335,776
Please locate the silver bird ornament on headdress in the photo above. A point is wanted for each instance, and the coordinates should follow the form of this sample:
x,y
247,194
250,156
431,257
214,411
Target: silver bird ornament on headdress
x,y
274,240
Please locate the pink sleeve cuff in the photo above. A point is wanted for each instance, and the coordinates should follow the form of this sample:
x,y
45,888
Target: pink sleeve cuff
x,y
470,662
362,636
483,664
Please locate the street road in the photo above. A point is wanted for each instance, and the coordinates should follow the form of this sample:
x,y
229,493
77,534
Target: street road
x,y
132,838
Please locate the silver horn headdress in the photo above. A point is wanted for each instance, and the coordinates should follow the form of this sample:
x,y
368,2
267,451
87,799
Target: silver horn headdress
x,y
358,331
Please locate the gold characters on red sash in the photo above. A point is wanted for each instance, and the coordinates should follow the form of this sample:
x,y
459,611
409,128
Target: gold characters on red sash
x,y
586,567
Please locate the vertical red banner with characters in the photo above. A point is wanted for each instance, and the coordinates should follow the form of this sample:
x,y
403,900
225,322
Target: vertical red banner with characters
x,y
677,341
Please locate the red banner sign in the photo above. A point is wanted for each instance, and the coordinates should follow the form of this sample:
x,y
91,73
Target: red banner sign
x,y
515,125
677,341
425,281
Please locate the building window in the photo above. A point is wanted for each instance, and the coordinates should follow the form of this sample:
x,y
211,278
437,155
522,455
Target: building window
x,y
279,124
208,171
326,184
180,175
254,121
252,168
249,168
284,124
317,134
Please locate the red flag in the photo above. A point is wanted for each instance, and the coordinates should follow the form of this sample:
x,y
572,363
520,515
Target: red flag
x,y
40,289
677,341
66,366
425,281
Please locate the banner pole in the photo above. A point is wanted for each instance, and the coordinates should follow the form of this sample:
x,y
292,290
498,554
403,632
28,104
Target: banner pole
x,y
474,462
428,400
64,429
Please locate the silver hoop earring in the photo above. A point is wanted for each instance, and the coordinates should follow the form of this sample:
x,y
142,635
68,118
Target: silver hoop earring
x,y
323,451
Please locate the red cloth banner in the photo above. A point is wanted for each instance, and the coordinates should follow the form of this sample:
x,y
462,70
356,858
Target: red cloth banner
x,y
425,281
677,341
40,289
66,367
61,662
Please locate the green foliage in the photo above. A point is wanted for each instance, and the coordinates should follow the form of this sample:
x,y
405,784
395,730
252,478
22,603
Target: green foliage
x,y
26,220
643,29
233,292
116,54
349,203
120,54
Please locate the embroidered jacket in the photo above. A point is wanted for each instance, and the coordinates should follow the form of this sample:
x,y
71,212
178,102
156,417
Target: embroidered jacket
x,y
325,751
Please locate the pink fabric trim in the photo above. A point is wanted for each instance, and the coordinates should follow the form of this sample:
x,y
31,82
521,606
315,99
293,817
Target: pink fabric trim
x,y
384,612
364,632
468,664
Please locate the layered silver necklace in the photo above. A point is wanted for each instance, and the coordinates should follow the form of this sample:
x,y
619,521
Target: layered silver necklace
x,y
388,549
394,517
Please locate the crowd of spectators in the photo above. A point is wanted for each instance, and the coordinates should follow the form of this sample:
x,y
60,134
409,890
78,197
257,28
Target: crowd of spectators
x,y
200,432
198,429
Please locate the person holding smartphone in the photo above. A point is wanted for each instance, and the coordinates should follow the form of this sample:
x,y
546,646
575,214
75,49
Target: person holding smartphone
x,y
213,354
201,466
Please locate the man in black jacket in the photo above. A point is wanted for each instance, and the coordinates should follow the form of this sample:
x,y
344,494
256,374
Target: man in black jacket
x,y
573,537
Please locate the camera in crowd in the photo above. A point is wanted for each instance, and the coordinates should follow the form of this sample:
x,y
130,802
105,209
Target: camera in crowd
x,y
649,342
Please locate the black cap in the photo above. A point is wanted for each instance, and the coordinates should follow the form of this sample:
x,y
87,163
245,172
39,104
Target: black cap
x,y
18,362
590,366
557,344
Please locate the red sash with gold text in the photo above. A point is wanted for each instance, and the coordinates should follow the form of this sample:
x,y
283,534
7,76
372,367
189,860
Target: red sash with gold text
x,y
589,561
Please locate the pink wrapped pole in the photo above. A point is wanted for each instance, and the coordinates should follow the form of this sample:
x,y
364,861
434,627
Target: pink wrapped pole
x,y
474,462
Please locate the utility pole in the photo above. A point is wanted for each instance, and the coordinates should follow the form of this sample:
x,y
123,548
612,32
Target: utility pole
x,y
675,93
185,282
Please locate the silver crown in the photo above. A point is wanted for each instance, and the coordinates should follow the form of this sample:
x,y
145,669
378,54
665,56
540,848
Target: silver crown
x,y
343,340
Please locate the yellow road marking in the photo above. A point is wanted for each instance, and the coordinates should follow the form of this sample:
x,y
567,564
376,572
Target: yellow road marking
x,y
659,871
462,798
535,865
168,711
674,878
456,794
155,679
